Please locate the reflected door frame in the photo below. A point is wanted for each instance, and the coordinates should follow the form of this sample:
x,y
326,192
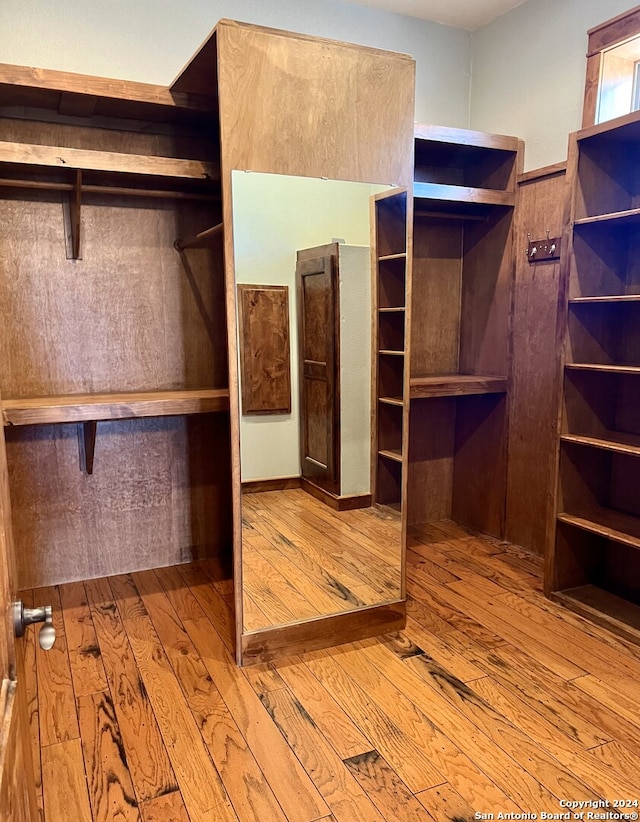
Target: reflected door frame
x,y
320,371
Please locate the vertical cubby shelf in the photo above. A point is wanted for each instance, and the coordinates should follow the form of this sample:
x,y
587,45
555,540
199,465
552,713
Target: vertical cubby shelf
x,y
390,324
594,560
461,284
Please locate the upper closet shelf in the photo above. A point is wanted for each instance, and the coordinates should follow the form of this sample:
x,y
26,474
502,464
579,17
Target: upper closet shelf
x,y
462,194
630,216
93,407
21,158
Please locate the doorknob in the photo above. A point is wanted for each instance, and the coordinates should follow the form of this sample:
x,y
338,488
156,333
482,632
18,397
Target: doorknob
x,y
28,616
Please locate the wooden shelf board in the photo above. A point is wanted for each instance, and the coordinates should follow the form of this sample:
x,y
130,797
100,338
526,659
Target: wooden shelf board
x,y
462,138
391,400
629,216
398,309
395,455
31,156
607,523
609,369
391,352
440,193
617,441
92,407
598,605
612,298
454,385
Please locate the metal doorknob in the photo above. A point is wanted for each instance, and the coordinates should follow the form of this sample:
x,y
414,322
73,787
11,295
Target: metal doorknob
x,y
28,616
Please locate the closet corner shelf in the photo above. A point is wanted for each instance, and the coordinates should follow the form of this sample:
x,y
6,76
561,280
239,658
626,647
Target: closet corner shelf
x,y
97,407
606,522
606,609
455,385
616,218
617,441
441,194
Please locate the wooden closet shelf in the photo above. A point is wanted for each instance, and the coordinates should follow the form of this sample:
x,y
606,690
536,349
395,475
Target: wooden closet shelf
x,y
629,217
606,609
606,522
395,455
94,407
391,352
398,309
122,191
612,298
454,385
617,441
50,157
607,369
466,195
391,401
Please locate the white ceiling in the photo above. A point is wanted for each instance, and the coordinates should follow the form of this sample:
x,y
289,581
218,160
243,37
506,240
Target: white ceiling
x,y
465,14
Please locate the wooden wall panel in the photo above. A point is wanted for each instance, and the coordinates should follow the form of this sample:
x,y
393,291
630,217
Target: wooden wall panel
x,y
431,452
292,104
159,495
132,315
535,376
263,319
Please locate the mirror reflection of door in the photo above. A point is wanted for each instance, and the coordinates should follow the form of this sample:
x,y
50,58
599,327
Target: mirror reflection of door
x,y
318,352
312,544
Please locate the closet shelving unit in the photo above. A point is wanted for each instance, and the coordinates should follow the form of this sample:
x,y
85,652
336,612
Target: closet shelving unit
x,y
593,565
461,283
390,244
114,340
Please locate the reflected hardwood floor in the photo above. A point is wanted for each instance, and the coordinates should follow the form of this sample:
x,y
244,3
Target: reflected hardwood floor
x,y
301,559
492,700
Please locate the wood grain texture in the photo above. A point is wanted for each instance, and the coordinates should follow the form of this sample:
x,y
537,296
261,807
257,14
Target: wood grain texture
x,y
167,808
619,28
533,398
110,787
147,757
62,764
265,363
360,130
87,669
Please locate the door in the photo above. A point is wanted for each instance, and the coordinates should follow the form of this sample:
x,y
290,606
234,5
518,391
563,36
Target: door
x,y
17,787
319,347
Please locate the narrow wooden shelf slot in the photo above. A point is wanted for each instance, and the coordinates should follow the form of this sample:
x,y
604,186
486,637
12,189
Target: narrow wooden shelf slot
x,y
94,407
607,523
607,369
391,455
609,441
613,298
604,608
391,352
39,156
437,192
391,400
401,256
628,217
200,239
452,385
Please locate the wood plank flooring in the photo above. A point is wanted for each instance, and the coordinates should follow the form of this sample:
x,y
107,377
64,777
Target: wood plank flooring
x,y
493,700
301,559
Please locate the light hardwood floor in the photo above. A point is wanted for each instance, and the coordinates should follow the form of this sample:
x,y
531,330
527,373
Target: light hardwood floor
x,y
492,700
301,559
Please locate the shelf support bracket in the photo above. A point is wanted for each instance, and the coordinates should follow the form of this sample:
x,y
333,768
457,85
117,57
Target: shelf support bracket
x,y
87,443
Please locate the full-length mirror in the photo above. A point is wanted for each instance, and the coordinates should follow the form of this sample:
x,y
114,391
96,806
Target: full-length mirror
x,y
313,545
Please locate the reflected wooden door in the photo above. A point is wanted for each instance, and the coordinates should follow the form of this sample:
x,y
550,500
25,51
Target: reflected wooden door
x,y
319,347
17,787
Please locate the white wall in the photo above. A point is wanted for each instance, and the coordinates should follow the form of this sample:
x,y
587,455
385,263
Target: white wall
x,y
273,217
528,72
151,40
